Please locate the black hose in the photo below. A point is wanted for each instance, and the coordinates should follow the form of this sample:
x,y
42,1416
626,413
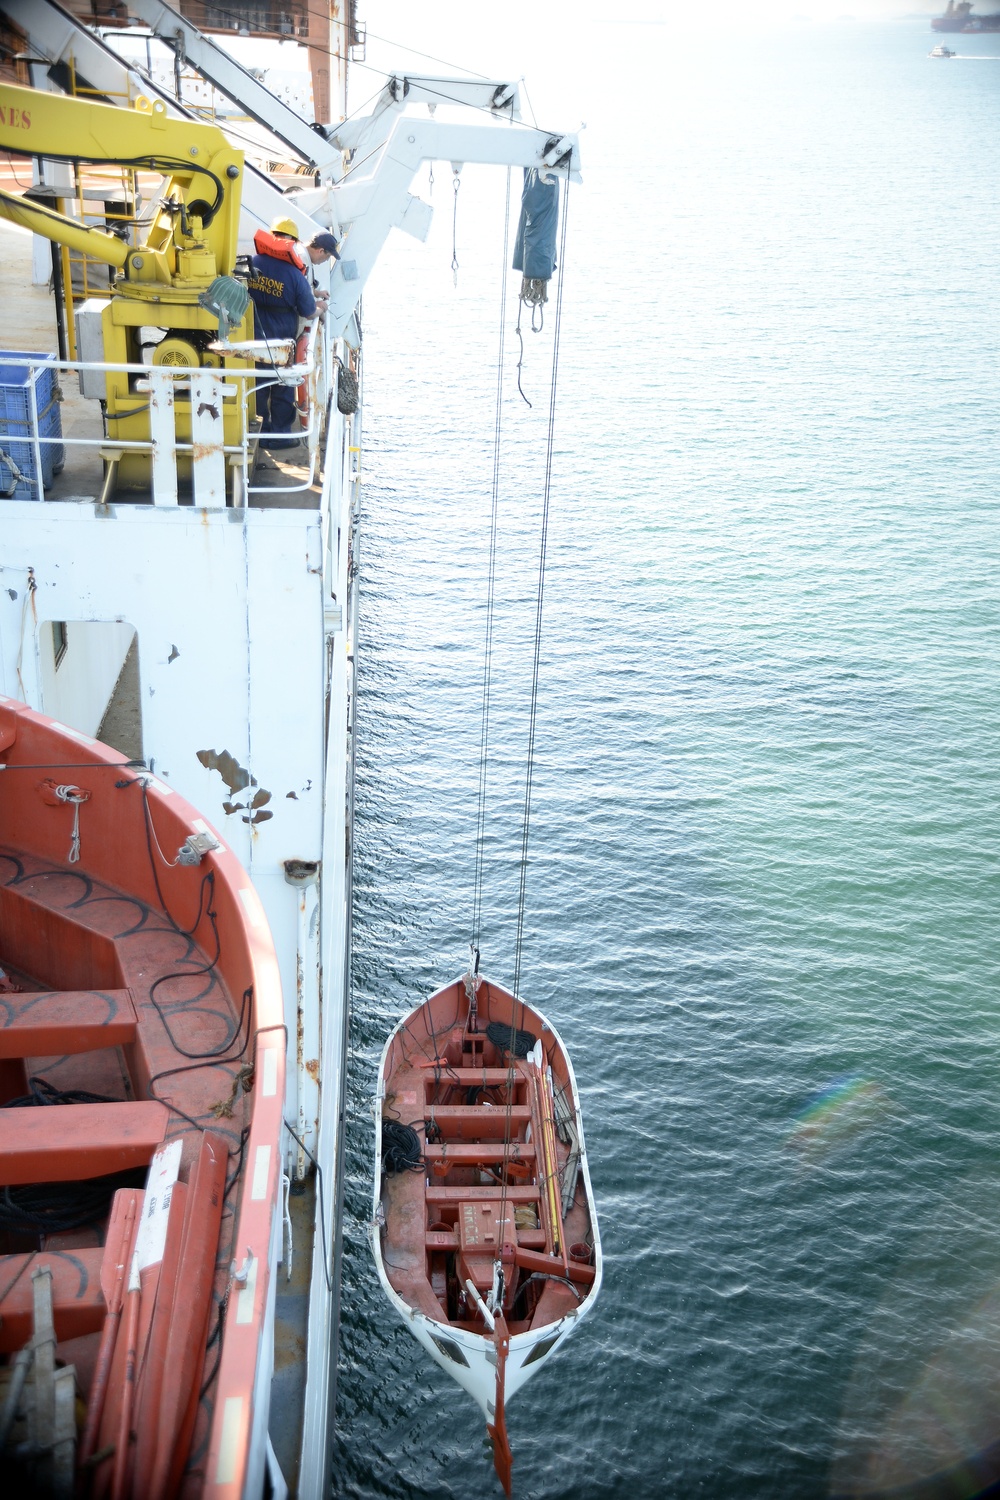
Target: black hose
x,y
400,1148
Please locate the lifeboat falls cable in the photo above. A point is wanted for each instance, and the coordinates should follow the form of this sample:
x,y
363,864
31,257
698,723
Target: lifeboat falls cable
x,y
539,597
516,1040
484,731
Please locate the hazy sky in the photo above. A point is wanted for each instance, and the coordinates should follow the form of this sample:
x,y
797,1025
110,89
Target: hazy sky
x,y
820,10
434,13
453,28
501,44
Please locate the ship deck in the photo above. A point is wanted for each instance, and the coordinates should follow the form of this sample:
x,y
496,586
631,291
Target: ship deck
x,y
276,480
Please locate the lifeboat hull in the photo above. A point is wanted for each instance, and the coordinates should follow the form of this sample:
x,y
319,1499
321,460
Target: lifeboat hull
x,y
492,1220
139,994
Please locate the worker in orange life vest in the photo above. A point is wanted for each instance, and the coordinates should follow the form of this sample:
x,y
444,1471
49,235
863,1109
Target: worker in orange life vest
x,y
281,296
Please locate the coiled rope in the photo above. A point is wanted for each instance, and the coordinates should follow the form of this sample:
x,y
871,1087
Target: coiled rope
x,y
400,1147
50,1207
511,1039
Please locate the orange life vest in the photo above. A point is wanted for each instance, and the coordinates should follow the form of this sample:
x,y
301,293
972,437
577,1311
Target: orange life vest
x,y
266,243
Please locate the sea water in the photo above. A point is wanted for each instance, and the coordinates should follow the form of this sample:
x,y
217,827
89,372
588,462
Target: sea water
x,y
763,885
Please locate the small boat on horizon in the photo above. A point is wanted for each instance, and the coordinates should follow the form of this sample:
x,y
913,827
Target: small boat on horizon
x,y
485,1232
941,51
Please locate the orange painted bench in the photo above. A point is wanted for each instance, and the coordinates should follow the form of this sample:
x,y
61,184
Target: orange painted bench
x,y
46,1023
69,1142
78,1304
490,1077
474,1121
467,1153
443,1195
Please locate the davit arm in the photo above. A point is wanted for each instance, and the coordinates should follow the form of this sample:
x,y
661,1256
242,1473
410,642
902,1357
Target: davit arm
x,y
368,206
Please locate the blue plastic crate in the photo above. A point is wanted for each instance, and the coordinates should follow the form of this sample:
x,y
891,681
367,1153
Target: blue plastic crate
x,y
16,426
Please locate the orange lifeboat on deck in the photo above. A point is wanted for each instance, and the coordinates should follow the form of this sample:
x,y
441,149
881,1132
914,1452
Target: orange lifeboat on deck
x,y
142,1054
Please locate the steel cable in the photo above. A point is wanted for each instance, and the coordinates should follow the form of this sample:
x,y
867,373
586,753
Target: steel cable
x,y
484,735
543,544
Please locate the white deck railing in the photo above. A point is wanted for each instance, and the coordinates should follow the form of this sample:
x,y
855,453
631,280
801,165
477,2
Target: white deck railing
x,y
207,390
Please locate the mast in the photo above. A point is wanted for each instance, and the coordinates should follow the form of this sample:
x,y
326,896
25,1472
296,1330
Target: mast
x,y
328,64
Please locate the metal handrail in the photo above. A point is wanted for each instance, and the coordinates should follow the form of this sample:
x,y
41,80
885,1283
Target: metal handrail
x,y
307,372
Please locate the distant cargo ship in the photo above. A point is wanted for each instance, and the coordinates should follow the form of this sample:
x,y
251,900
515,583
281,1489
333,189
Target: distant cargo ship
x,y
959,17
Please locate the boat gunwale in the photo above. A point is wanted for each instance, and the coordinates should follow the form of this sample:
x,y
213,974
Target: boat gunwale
x,y
525,1340
231,1442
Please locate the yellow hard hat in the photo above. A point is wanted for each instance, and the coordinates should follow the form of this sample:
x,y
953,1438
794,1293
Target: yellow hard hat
x,y
285,226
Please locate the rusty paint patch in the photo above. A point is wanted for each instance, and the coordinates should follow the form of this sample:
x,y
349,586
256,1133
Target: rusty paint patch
x,y
235,776
237,779
174,654
293,795
312,1068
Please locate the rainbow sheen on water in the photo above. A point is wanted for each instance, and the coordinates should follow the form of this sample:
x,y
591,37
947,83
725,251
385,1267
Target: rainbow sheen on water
x,y
837,1116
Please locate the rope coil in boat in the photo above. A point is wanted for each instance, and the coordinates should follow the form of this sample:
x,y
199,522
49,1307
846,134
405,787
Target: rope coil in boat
x,y
510,1039
400,1148
74,795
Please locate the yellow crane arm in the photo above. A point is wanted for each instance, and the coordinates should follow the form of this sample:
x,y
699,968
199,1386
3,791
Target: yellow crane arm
x,y
41,220
42,124
193,236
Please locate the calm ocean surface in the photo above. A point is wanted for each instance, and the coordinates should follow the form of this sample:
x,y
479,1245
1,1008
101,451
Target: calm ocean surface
x,y
764,878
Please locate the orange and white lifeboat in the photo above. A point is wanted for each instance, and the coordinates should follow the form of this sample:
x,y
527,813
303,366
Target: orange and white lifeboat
x,y
142,1057
485,1232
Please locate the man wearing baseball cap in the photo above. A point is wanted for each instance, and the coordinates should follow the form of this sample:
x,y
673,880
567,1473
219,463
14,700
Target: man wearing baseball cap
x,y
320,249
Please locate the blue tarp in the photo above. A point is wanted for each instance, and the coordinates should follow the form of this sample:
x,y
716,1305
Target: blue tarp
x,y
535,246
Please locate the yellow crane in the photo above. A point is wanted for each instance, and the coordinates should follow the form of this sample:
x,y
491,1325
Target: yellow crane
x,y
188,242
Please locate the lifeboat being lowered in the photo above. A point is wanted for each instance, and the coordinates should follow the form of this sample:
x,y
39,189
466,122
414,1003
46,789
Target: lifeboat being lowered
x,y
142,1056
485,1233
